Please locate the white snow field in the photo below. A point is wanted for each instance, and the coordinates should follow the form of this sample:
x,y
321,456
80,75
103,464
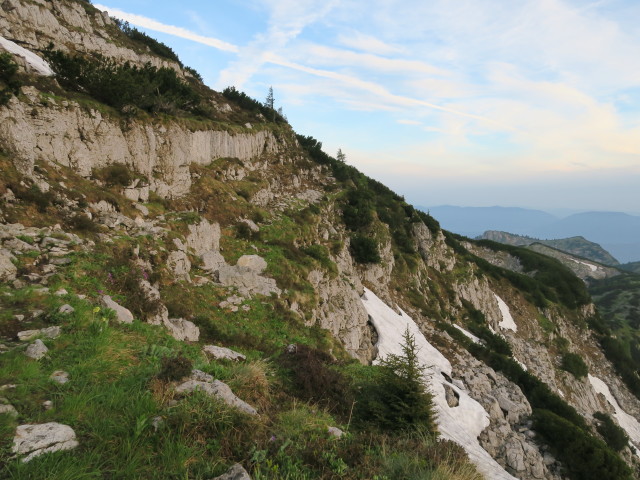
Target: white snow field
x,y
507,323
34,61
461,424
592,267
626,421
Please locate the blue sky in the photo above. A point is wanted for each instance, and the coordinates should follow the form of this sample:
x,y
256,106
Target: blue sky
x,y
533,103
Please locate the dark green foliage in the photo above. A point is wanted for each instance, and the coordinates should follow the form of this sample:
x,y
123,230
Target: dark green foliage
x,y
245,102
358,210
81,222
174,368
627,368
574,364
8,72
614,436
33,195
115,175
154,45
364,249
493,341
555,280
396,399
584,457
124,86
316,379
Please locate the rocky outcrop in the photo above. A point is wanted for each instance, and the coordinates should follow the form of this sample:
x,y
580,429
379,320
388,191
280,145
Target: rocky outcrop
x,y
49,332
70,26
219,390
8,270
36,440
66,134
123,315
222,353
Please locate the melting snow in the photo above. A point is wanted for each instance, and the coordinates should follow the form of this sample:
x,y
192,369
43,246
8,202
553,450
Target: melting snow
x,y
507,323
592,267
461,424
626,421
34,61
469,335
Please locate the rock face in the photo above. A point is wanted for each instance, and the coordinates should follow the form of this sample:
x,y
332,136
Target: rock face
x,y
7,269
70,136
182,329
35,440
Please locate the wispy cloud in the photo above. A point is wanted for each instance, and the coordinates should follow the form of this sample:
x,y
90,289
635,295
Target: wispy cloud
x,y
368,43
146,22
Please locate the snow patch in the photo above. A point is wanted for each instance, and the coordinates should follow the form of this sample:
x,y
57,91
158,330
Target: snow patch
x,y
33,60
469,335
461,424
628,423
507,323
592,267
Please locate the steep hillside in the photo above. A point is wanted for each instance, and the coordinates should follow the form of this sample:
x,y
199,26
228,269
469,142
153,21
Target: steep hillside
x,y
578,246
187,285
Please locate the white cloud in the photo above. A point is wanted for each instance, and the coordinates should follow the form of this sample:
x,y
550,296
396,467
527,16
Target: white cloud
x,y
368,43
151,24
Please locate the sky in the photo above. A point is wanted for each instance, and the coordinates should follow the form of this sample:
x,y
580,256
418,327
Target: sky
x,y
529,103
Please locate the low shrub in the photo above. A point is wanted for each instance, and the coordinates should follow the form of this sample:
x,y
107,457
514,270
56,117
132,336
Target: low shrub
x,y
613,435
174,368
364,249
584,457
8,77
574,364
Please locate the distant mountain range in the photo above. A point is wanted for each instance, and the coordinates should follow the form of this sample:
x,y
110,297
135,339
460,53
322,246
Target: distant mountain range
x,y
616,232
579,246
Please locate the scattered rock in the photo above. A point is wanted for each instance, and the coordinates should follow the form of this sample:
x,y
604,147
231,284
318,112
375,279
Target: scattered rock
x,y
222,353
47,404
66,308
254,263
218,390
452,397
157,423
60,376
7,409
335,431
236,472
182,329
123,315
179,263
36,350
35,440
49,332
8,270
252,226
61,292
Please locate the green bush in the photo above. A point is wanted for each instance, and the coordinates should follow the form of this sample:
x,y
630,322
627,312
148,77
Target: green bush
x,y
315,378
583,456
613,435
574,364
8,72
124,86
364,249
396,398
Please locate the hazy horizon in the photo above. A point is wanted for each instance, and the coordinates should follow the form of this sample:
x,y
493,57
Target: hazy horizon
x,y
473,102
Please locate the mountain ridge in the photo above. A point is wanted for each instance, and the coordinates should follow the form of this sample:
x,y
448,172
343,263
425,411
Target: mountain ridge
x,y
218,228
